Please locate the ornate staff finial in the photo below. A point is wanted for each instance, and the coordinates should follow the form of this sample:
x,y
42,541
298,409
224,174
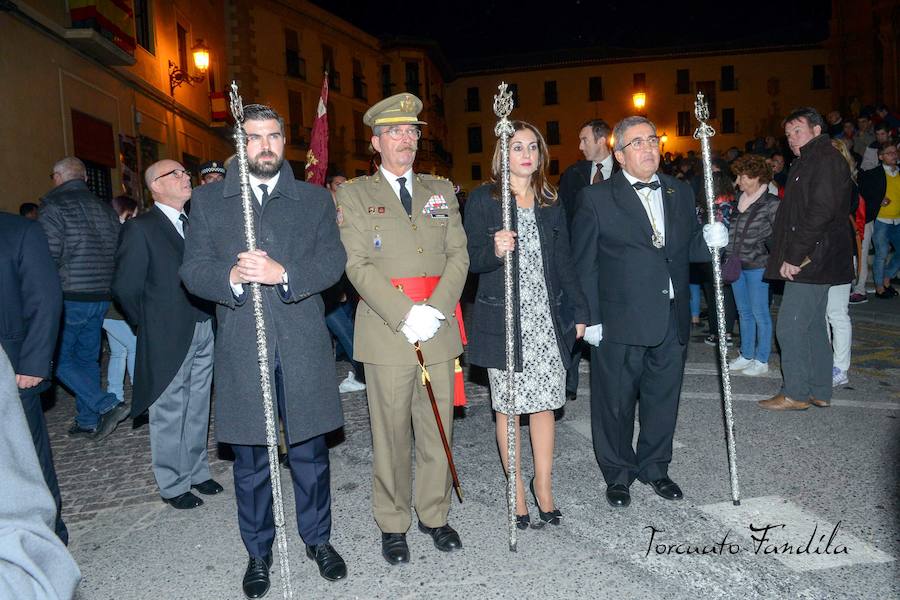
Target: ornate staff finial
x,y
237,105
701,111
503,106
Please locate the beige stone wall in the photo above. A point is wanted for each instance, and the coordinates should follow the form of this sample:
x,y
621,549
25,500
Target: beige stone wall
x,y
45,78
769,84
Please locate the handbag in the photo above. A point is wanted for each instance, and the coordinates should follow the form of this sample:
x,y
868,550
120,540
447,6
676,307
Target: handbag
x,y
732,267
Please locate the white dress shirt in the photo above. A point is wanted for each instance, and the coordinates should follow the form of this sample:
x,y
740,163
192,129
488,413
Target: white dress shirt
x,y
174,215
392,180
652,201
606,166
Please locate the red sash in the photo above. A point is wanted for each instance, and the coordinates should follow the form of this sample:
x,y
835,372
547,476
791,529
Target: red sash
x,y
419,289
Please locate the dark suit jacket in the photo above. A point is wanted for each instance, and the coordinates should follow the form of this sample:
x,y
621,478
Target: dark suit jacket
x,y
575,178
147,286
873,187
623,276
30,297
487,346
297,227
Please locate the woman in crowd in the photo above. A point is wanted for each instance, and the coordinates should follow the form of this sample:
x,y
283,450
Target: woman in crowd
x,y
550,310
751,228
122,341
836,311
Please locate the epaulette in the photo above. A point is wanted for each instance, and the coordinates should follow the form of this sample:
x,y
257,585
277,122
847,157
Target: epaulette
x,y
355,179
434,177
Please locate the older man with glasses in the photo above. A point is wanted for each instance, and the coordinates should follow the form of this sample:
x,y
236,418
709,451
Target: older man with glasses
x,y
633,237
407,258
174,358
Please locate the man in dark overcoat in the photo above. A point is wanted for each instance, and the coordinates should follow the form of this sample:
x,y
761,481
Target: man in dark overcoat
x,y
174,357
598,165
634,236
299,255
30,309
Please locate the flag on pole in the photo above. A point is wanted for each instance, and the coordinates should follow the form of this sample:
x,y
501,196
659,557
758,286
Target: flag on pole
x,y
317,156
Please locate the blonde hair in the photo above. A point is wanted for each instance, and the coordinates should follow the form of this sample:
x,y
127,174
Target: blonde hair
x,y
851,162
544,192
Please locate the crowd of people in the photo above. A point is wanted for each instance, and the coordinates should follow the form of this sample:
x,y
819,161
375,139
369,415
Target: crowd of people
x,y
613,261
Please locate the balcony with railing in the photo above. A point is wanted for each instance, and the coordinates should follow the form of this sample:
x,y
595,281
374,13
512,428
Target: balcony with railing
x,y
431,150
299,135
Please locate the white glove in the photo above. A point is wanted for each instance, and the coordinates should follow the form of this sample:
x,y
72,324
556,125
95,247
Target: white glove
x,y
593,335
424,320
411,337
715,235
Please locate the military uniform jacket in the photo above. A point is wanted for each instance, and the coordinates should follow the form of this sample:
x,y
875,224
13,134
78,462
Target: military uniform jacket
x,y
383,243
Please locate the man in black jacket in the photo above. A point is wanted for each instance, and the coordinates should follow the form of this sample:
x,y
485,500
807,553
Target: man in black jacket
x,y
82,232
598,165
811,251
633,238
30,307
174,358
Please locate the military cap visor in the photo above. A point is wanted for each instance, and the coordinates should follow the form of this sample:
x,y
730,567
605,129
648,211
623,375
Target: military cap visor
x,y
399,109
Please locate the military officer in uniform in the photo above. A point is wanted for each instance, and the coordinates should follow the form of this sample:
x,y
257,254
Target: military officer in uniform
x,y
407,258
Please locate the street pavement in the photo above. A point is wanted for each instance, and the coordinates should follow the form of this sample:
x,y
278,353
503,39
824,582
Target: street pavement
x,y
819,487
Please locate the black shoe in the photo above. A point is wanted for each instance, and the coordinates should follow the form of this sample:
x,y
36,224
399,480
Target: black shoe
x,y
571,396
77,430
184,501
110,420
256,577
210,487
886,294
617,495
445,537
523,521
666,488
331,566
394,548
547,517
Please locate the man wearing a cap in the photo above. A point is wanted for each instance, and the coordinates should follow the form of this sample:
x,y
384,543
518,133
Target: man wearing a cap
x,y
211,172
406,256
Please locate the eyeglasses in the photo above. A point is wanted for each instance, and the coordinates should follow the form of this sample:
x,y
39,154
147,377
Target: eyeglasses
x,y
398,134
178,173
641,143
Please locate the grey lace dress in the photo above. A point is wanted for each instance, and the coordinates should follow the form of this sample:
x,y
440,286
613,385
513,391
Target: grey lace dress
x,y
541,384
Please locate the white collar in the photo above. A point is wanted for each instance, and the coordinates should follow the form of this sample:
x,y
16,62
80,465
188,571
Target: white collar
x,y
891,171
393,178
172,213
632,179
270,184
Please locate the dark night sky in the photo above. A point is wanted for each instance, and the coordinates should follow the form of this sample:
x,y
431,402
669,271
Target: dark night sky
x,y
467,29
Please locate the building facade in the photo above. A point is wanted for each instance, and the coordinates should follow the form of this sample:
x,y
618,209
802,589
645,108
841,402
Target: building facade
x,y
93,81
750,91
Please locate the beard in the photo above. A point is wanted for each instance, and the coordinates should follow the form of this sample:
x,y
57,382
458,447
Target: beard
x,y
268,169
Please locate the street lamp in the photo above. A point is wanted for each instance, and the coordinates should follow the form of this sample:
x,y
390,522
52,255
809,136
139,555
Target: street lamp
x,y
640,100
663,139
200,52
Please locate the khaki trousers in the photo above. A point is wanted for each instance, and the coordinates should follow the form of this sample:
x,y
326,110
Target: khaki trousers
x,y
397,399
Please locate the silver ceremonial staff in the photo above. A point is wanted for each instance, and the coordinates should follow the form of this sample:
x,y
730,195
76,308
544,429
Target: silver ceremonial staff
x,y
262,348
703,133
503,105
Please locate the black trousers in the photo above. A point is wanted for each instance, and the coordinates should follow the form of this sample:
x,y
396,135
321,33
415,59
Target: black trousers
x,y
34,414
620,375
311,477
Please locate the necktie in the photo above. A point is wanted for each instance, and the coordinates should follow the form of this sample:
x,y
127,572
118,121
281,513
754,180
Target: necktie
x,y
265,193
184,224
598,176
405,198
639,185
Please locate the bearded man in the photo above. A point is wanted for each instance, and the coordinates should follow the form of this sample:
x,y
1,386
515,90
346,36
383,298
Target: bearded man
x,y
299,255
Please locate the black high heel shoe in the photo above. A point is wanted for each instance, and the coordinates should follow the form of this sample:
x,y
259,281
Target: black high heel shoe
x,y
547,517
523,521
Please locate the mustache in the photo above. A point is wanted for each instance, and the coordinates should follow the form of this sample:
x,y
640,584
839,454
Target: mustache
x,y
411,148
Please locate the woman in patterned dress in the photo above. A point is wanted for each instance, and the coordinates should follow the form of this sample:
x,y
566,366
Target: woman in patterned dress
x,y
550,310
